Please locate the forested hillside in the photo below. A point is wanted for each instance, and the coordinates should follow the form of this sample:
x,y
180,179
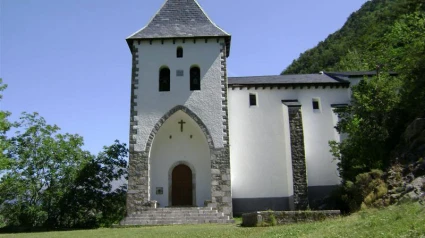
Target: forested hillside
x,y
365,40
385,120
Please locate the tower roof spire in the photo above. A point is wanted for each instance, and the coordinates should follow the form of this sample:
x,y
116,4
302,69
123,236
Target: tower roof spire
x,y
180,19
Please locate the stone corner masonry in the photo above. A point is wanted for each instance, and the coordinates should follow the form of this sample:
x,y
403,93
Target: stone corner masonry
x,y
299,168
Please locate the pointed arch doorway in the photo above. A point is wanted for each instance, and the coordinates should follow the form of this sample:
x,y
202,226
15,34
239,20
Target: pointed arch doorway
x,y
175,143
182,187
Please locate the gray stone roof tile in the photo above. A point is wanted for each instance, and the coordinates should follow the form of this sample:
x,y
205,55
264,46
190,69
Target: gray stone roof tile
x,y
180,19
356,74
286,79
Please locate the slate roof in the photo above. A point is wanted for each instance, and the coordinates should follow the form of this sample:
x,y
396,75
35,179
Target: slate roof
x,y
180,19
295,79
357,74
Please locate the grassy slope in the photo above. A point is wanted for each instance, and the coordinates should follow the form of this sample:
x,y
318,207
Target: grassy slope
x,y
397,221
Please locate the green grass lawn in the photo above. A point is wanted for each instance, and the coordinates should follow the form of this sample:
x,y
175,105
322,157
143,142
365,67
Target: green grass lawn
x,y
397,221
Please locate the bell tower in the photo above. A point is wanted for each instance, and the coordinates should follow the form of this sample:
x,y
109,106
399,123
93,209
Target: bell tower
x,y
179,74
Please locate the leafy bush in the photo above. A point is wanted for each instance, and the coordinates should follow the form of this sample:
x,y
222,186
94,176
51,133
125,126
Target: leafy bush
x,y
273,221
367,191
369,123
51,182
2,222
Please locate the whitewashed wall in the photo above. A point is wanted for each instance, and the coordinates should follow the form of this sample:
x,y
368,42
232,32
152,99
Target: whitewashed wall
x,y
152,104
167,152
259,140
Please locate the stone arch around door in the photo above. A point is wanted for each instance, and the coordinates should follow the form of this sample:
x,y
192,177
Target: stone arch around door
x,y
190,144
221,197
171,112
170,181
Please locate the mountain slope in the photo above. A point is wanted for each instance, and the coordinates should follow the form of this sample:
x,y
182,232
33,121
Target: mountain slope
x,y
361,43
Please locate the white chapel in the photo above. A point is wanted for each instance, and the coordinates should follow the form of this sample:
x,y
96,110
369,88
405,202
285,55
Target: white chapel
x,y
201,139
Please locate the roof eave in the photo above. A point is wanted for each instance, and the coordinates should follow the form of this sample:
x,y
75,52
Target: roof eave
x,y
228,40
344,84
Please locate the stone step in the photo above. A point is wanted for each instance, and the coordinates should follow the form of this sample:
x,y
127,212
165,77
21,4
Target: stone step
x,y
179,212
175,222
171,216
168,209
176,214
183,208
178,218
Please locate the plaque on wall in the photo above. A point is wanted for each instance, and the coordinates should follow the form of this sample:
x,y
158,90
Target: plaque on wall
x,y
180,73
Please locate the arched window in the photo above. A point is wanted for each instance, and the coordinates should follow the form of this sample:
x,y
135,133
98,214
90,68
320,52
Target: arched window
x,y
195,78
179,52
164,79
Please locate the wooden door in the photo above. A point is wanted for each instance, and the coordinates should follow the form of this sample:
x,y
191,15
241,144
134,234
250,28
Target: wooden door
x,y
182,186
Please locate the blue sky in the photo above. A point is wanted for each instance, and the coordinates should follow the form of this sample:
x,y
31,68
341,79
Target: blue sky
x,y
68,60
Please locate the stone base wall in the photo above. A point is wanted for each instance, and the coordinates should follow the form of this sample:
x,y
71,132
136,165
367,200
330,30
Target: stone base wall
x,y
247,205
221,187
138,182
288,217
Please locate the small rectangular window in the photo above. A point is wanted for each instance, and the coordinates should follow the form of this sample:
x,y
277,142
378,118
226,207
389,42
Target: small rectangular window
x,y
316,105
179,52
252,99
164,80
195,78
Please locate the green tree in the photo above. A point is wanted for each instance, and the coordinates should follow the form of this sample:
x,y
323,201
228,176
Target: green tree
x,y
52,182
353,61
388,34
92,201
4,127
368,121
406,50
382,107
364,32
44,164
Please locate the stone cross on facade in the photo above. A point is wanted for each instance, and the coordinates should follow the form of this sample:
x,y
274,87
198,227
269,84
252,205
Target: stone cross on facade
x,y
181,125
